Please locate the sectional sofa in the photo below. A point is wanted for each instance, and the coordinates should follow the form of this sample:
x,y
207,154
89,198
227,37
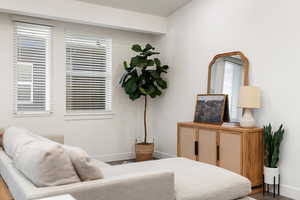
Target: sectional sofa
x,y
166,179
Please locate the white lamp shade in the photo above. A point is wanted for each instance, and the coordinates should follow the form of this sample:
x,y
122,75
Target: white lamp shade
x,y
249,97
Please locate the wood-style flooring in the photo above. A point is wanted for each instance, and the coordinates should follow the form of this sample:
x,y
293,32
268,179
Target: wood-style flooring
x,y
260,196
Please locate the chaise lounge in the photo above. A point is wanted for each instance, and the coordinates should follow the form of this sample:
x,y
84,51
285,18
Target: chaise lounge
x,y
166,179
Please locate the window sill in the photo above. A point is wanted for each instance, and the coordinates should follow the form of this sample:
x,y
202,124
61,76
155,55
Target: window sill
x,y
32,114
88,116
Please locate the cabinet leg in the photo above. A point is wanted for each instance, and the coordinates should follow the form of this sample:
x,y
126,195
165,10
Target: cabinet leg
x,y
279,185
274,187
264,185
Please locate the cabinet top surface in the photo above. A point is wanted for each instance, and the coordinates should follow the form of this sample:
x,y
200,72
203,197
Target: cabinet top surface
x,y
219,127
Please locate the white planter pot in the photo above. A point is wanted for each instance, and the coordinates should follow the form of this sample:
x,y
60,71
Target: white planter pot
x,y
270,173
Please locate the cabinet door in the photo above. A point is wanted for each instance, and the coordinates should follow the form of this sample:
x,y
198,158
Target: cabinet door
x,y
207,146
187,138
230,152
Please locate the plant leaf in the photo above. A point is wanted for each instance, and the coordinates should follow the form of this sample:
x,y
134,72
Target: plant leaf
x,y
162,83
135,95
123,78
150,63
148,47
125,64
136,48
135,61
155,74
131,85
126,67
157,62
143,91
272,143
149,53
165,67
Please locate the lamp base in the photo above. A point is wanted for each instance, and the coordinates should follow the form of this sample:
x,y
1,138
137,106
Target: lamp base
x,y
247,120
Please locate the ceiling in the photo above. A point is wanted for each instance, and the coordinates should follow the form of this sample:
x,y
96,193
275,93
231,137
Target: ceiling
x,y
154,7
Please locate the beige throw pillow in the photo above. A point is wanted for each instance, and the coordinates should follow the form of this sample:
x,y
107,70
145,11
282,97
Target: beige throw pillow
x,y
86,168
45,164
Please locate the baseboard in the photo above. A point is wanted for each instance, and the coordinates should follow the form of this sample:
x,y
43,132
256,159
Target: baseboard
x,y
115,157
159,154
290,191
129,155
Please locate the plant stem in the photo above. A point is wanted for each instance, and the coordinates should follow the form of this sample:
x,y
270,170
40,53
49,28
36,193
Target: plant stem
x,y
145,120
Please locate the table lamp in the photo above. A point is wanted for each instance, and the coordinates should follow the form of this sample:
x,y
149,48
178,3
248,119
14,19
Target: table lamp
x,y
249,99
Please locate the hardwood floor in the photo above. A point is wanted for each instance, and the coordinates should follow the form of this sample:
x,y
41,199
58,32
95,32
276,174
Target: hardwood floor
x,y
4,192
119,162
269,196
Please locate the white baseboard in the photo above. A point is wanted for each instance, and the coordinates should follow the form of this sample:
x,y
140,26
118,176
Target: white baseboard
x,y
115,157
129,155
159,154
290,191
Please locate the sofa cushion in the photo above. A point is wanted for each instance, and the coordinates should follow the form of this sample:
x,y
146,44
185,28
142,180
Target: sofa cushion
x,y
86,168
45,164
14,138
193,180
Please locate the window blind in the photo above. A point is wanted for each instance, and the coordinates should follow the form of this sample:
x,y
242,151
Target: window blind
x,y
88,73
31,65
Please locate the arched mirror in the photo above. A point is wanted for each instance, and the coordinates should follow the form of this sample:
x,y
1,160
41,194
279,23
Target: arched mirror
x,y
226,74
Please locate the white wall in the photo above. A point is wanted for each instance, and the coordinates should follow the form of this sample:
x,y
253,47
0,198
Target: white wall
x,y
86,13
268,33
107,139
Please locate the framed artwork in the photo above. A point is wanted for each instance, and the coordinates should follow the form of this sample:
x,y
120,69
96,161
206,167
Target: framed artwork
x,y
210,108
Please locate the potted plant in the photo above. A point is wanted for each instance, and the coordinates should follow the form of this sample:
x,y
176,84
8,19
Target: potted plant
x,y
142,79
272,141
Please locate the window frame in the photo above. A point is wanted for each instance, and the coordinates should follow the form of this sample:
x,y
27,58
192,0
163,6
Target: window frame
x,y
48,68
91,113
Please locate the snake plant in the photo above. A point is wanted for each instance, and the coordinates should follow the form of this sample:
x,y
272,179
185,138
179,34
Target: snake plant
x,y
272,141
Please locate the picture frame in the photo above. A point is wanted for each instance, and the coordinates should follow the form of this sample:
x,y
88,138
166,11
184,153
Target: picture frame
x,y
210,108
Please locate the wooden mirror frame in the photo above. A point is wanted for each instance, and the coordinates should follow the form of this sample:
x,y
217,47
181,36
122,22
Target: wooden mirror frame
x,y
228,54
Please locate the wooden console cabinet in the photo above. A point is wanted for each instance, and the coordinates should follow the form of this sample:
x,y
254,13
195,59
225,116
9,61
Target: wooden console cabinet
x,y
234,148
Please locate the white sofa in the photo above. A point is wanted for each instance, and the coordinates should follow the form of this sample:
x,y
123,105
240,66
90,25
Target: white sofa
x,y
135,186
166,179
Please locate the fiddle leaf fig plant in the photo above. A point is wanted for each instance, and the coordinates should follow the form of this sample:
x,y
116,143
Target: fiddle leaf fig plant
x,y
143,77
272,141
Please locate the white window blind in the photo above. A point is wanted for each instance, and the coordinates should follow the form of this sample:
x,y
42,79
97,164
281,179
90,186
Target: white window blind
x,y
31,65
88,74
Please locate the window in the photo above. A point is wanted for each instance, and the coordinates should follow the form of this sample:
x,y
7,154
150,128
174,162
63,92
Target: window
x,y
88,74
31,66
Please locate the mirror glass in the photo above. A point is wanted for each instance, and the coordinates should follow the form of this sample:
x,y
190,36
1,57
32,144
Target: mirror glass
x,y
227,75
